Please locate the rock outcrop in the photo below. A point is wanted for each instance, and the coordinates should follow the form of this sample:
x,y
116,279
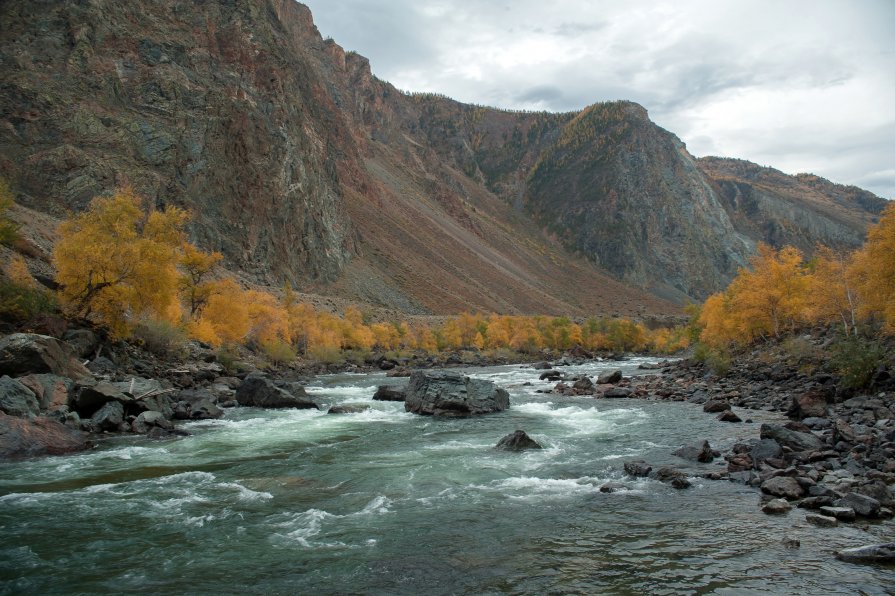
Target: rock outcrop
x,y
28,437
453,394
262,392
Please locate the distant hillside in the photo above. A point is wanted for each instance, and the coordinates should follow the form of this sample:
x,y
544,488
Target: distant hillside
x,y
301,165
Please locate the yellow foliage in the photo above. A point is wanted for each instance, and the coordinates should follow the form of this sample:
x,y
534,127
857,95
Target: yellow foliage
x,y
873,272
195,288
17,272
116,264
225,318
831,297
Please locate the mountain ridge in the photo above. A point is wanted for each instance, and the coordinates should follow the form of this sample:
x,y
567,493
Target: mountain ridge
x,y
300,165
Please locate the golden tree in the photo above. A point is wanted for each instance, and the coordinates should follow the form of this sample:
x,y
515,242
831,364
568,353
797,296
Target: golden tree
x,y
873,271
195,287
116,263
831,296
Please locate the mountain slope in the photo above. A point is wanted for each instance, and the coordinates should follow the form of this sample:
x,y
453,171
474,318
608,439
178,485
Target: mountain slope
x,y
300,165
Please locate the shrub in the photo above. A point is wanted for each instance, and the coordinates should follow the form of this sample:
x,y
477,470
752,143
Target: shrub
x,y
857,359
717,360
159,337
278,352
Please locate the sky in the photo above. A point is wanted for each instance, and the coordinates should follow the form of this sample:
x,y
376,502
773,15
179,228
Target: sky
x,y
801,86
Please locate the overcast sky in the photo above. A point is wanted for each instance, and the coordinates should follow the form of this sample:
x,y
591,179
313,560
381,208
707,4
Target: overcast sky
x,y
802,86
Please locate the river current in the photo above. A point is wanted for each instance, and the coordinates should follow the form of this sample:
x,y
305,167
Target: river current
x,y
385,502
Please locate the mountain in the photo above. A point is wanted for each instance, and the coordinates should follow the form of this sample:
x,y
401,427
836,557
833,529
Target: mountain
x,y
300,165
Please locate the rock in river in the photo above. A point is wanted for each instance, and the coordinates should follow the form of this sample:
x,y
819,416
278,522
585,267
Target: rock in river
x,y
517,441
21,437
874,553
452,394
261,392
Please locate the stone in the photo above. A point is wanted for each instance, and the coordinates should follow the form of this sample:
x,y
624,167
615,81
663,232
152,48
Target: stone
x,y
148,420
612,487
52,391
389,393
618,392
260,392
843,513
82,341
783,486
808,405
28,437
610,378
452,394
16,399
699,452
190,404
517,441
109,417
776,506
672,476
729,416
348,409
797,441
790,542
716,405
637,468
816,502
874,553
862,504
542,365
822,521
551,375
765,449
583,386
738,462
27,353
91,397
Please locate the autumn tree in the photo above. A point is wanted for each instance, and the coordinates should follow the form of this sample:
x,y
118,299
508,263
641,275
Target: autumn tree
x,y
195,286
831,295
115,262
873,272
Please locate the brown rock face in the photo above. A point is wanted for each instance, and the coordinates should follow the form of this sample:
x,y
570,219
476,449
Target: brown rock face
x,y
24,437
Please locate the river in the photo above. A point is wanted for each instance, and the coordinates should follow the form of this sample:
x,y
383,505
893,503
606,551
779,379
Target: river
x,y
385,502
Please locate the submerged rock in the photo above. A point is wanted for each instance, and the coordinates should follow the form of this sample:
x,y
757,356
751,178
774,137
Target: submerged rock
x,y
517,441
348,409
672,476
874,553
389,393
637,468
776,506
452,394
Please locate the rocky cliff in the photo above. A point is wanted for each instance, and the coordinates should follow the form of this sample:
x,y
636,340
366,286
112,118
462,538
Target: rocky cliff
x,y
300,165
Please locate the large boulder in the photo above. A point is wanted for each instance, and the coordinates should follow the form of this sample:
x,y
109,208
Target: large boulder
x,y
261,392
389,393
862,504
26,437
610,378
108,417
26,353
52,391
797,441
90,397
517,441
17,399
765,449
193,404
809,405
452,394
148,420
783,486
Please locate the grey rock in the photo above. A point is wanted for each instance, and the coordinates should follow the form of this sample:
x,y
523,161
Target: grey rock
x,y
729,416
816,502
551,375
797,441
517,441
91,397
637,468
862,504
17,399
823,521
874,553
610,378
776,506
389,393
348,409
618,392
612,487
765,449
783,486
699,452
452,394
82,341
261,392
583,386
148,420
109,416
52,391
843,513
808,405
26,353
715,406
672,476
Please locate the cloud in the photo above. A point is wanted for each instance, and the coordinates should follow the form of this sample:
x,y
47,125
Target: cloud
x,y
787,84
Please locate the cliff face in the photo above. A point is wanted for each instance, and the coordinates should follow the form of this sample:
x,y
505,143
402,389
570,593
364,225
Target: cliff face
x,y
208,105
300,165
802,210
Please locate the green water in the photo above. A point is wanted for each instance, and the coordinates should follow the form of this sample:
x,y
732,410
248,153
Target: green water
x,y
384,502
